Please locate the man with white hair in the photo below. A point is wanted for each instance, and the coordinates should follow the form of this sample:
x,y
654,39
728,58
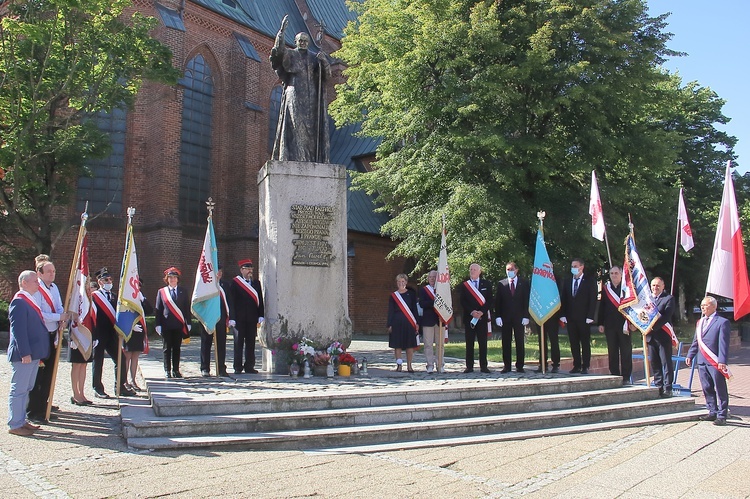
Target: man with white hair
x,y
710,349
29,342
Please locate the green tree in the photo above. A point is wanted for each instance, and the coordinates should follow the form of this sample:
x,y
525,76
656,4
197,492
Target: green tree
x,y
61,62
492,110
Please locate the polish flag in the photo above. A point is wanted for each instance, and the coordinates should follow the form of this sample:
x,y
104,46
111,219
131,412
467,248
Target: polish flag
x,y
727,275
595,210
686,235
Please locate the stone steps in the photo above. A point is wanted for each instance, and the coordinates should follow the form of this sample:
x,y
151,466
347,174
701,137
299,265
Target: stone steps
x,y
275,412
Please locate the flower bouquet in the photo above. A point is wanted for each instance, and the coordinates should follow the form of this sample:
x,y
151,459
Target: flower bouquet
x,y
346,361
336,348
321,359
301,351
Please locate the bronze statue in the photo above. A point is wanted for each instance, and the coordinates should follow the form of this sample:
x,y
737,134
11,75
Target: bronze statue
x,y
302,131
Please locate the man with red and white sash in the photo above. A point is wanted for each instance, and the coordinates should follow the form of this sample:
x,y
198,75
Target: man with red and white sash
x,y
28,344
173,320
246,313
429,320
50,303
476,300
660,341
710,349
612,324
106,339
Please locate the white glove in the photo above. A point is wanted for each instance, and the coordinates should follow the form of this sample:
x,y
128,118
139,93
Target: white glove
x,y
499,322
589,321
524,322
260,320
138,328
189,327
158,330
563,320
232,323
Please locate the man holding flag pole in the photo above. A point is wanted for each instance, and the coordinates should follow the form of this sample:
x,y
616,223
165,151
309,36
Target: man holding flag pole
x,y
443,299
206,303
544,298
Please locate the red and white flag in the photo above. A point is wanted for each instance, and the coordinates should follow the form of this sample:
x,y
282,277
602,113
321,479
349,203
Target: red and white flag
x,y
595,210
443,298
80,305
727,275
686,234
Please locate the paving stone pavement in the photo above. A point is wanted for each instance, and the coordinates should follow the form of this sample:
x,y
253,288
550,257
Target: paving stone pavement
x,y
82,454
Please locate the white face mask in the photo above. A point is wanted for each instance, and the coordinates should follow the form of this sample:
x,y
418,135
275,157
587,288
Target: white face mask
x,y
108,286
574,270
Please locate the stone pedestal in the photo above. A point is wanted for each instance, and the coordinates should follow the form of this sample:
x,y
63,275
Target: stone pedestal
x,y
303,257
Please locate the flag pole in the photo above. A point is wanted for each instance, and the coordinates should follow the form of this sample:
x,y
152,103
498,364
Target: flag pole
x,y
63,324
609,255
676,243
543,359
210,207
646,365
130,213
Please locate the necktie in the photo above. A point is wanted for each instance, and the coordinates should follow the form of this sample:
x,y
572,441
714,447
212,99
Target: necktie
x,y
704,326
575,286
512,288
476,284
174,294
109,296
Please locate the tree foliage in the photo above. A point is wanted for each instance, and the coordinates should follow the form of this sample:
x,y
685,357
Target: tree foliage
x,y
61,62
492,110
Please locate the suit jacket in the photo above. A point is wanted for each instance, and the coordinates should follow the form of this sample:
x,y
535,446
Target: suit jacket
x,y
665,304
512,307
242,306
104,327
469,303
582,306
28,334
609,314
716,338
429,316
165,318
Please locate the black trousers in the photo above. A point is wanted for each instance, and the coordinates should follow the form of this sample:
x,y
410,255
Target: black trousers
x,y
620,350
110,345
660,356
39,395
478,333
172,340
207,341
512,331
552,342
580,343
244,346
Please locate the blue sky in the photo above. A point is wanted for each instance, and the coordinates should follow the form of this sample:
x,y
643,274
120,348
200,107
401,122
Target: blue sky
x,y
716,36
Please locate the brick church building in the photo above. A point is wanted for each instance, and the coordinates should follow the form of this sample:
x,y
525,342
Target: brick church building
x,y
207,137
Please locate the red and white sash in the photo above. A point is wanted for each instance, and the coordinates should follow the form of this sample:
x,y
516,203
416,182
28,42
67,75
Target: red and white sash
x,y
166,297
248,288
475,292
100,301
708,354
405,309
25,296
430,292
667,328
613,297
47,296
224,302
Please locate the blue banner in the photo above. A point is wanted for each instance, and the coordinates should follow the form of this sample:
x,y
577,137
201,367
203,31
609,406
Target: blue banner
x,y
545,297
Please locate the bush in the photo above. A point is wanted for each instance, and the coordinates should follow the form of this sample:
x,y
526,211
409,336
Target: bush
x,y
4,322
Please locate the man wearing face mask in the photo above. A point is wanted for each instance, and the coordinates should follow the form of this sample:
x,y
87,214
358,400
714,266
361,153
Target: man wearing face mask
x,y
578,304
104,306
612,324
512,315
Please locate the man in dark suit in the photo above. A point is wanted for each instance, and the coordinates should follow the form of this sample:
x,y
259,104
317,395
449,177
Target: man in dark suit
x,y
221,335
246,313
660,341
710,349
512,314
612,324
476,300
578,297
173,320
104,305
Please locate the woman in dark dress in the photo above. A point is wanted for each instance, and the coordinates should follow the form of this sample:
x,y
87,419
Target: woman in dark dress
x,y
402,322
136,344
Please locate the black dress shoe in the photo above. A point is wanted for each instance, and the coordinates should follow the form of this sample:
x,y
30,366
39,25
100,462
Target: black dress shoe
x,y
485,370
720,422
205,374
167,374
575,370
176,374
585,370
666,394
100,394
520,370
555,369
468,370
505,370
55,408
224,374
127,392
251,371
708,417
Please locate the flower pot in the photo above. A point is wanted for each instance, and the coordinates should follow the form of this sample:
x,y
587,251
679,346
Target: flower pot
x,y
319,371
345,370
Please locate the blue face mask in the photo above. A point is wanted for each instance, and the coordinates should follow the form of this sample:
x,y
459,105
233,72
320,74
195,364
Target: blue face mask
x,y
574,270
511,274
